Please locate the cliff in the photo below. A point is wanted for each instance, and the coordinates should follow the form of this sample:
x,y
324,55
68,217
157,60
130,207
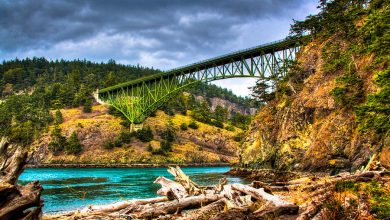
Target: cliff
x,y
332,111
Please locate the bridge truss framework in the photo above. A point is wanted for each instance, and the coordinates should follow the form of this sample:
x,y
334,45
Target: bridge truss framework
x,y
137,99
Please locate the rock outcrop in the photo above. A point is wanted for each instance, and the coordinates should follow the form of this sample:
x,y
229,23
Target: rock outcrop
x,y
306,130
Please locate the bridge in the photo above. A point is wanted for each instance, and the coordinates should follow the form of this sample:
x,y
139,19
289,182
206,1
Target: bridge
x,y
137,99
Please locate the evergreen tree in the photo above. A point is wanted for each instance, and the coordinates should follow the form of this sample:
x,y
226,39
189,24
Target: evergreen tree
x,y
58,141
87,108
73,146
221,114
58,117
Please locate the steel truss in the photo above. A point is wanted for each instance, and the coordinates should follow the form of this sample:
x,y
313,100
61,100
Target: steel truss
x,y
137,99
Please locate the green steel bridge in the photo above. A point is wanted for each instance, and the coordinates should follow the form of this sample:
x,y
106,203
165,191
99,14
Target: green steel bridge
x,y
137,99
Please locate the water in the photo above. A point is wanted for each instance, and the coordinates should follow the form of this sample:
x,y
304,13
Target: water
x,y
74,188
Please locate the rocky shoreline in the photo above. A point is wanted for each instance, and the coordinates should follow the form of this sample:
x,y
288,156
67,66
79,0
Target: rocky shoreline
x,y
126,165
269,175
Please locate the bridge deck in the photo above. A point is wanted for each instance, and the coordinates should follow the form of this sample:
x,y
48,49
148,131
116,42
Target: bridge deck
x,y
219,60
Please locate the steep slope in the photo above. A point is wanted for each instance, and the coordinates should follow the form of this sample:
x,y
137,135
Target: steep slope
x,y
207,144
332,111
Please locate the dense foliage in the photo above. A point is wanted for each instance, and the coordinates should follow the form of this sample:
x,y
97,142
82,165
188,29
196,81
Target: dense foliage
x,y
23,117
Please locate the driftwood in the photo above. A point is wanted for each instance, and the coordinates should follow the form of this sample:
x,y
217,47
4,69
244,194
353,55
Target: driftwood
x,y
121,205
17,202
205,212
274,204
184,194
175,206
171,189
223,201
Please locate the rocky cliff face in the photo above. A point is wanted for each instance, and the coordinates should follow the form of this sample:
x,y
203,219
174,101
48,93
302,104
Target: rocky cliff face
x,y
232,107
305,129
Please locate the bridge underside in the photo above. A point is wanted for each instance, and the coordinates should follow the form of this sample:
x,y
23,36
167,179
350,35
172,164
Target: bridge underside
x,y
137,99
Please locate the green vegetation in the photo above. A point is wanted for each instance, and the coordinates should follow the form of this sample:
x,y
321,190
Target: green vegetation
x,y
377,195
193,125
380,199
58,141
24,117
144,134
73,146
374,114
353,29
184,126
349,90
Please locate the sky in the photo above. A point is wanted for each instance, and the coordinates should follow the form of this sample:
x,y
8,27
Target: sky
x,y
163,34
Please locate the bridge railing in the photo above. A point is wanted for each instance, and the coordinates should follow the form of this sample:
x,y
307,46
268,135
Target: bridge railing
x,y
228,54
205,62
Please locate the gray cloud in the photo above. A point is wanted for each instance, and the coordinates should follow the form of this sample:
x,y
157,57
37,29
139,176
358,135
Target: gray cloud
x,y
176,24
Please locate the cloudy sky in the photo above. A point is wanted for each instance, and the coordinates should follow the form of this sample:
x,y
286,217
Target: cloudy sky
x,y
161,33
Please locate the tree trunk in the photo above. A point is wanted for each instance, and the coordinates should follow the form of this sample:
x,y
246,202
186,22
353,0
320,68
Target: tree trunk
x,y
18,202
154,210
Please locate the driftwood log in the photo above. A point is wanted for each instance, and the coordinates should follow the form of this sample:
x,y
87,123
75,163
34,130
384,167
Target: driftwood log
x,y
223,201
17,202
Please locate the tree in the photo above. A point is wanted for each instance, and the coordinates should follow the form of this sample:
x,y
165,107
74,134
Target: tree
x,y
262,92
169,134
144,134
202,112
221,113
58,141
73,146
23,117
58,117
87,108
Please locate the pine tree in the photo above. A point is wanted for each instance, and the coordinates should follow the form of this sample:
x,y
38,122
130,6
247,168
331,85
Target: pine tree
x,y
73,146
58,118
87,108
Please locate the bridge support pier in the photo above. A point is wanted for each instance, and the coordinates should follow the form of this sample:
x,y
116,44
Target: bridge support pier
x,y
136,127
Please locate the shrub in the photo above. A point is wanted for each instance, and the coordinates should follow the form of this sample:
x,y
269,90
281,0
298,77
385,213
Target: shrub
x,y
144,134
166,146
374,113
73,146
117,142
193,125
217,123
87,108
184,126
238,137
150,148
58,118
125,123
348,91
109,145
230,128
125,137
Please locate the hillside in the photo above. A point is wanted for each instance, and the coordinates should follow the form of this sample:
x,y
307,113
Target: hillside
x,y
332,111
206,144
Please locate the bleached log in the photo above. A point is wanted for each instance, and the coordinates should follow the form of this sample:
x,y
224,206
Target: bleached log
x,y
121,205
175,206
260,194
207,211
171,189
191,187
313,207
274,203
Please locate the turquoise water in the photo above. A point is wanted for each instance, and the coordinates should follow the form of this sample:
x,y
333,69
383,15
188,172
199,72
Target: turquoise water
x,y
74,188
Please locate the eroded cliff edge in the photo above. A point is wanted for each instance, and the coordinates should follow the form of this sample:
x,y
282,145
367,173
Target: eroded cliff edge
x,y
332,111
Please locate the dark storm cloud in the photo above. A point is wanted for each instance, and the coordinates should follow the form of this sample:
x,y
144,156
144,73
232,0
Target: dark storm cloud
x,y
175,24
